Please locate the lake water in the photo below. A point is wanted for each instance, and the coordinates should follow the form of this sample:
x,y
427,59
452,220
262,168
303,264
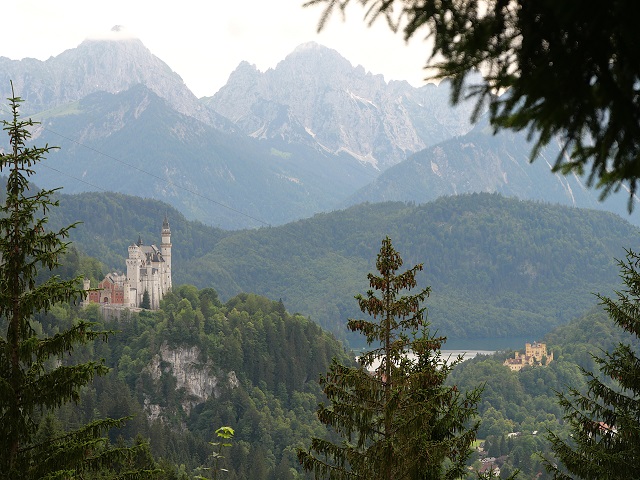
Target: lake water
x,y
451,355
469,348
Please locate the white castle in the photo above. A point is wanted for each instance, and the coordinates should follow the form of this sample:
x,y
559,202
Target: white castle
x,y
148,270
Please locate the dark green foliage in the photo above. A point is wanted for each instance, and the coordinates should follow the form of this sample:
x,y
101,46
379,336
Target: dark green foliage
x,y
526,401
35,375
225,436
397,419
570,70
112,221
505,266
276,358
499,267
146,302
604,420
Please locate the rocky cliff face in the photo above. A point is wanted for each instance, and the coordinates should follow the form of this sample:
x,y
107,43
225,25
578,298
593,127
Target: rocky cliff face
x,y
198,380
281,145
315,96
112,64
483,162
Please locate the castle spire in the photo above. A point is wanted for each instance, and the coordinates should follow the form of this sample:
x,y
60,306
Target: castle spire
x,y
165,248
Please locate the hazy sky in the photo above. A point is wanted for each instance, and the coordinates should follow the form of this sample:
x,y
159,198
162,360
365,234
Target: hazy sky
x,y
205,40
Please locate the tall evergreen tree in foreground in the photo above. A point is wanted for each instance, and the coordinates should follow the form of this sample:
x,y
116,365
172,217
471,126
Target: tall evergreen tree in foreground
x,y
605,421
35,373
397,418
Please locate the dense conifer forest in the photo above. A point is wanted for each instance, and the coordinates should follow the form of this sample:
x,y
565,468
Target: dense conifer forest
x,y
518,409
277,359
266,363
497,266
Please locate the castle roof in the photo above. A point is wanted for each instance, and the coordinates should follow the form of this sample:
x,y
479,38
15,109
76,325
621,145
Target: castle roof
x,y
152,253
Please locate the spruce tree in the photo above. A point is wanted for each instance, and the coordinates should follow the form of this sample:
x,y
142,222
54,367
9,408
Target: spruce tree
x,y
397,418
604,421
36,375
146,300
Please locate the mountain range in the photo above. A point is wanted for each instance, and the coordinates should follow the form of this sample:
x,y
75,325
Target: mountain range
x,y
316,97
310,135
480,161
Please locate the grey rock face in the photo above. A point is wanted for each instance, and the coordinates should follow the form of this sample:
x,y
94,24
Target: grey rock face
x,y
315,96
483,162
196,379
112,65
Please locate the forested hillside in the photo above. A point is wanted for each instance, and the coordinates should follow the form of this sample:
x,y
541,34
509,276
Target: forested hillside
x,y
497,266
110,222
483,161
526,401
197,365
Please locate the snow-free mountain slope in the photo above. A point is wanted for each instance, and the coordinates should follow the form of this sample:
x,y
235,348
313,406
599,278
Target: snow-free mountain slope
x,y
481,161
111,64
134,142
315,96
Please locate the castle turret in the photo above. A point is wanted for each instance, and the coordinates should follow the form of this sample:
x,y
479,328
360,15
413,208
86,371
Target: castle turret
x,y
133,273
165,248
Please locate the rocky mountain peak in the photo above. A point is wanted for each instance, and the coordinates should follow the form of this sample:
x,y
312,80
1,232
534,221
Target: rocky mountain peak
x,y
317,97
112,63
245,72
305,47
315,56
316,63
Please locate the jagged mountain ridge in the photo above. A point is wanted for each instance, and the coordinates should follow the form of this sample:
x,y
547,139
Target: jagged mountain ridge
x,y
317,125
111,65
316,97
134,142
481,161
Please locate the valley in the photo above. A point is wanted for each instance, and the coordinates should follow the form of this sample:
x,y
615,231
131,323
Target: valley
x,y
279,189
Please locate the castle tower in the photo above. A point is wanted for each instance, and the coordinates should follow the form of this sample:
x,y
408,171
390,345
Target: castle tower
x,y
133,273
165,248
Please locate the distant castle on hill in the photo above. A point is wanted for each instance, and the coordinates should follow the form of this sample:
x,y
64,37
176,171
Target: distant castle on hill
x,y
534,354
148,272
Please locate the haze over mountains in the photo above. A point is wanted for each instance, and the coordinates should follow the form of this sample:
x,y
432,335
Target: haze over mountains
x,y
311,135
326,160
316,97
498,267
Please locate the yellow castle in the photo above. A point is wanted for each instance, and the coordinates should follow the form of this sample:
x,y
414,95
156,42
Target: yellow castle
x,y
534,354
